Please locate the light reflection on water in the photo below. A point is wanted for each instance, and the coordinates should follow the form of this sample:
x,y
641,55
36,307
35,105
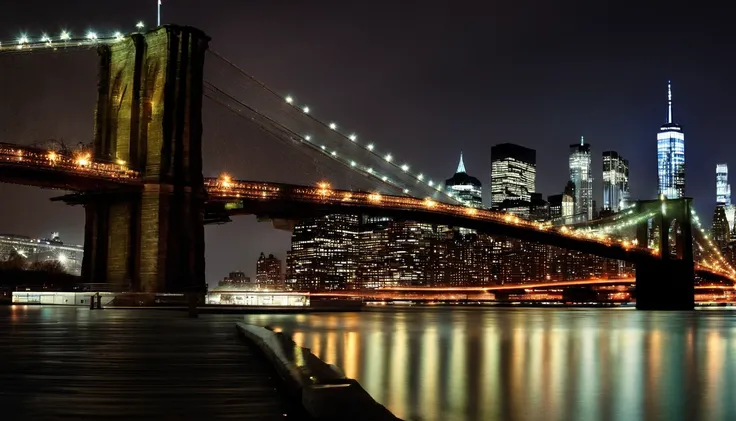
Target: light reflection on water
x,y
458,363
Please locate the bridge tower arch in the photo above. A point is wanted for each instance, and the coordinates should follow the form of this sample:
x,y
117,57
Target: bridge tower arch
x,y
149,117
667,283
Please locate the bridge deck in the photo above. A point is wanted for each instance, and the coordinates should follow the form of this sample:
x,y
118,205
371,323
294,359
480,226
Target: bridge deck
x,y
131,364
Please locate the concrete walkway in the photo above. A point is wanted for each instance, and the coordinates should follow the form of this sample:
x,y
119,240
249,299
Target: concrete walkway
x,y
75,363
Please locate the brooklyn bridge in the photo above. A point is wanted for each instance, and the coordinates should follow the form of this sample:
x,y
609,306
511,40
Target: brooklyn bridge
x,y
147,201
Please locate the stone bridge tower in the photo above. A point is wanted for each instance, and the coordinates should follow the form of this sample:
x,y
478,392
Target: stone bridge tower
x,y
149,117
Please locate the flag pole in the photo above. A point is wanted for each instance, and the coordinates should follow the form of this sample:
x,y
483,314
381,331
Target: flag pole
x,y
158,21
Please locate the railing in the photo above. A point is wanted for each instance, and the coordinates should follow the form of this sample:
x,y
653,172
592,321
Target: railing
x,y
78,163
226,189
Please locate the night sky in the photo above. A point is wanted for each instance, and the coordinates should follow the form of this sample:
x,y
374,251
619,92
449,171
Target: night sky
x,y
424,79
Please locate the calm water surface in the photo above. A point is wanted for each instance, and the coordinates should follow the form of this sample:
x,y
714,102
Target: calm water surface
x,y
455,363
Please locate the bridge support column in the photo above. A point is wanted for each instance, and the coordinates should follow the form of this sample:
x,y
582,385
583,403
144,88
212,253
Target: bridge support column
x,y
668,283
111,235
149,117
665,285
172,239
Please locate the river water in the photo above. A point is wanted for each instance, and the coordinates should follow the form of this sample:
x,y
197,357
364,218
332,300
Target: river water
x,y
462,363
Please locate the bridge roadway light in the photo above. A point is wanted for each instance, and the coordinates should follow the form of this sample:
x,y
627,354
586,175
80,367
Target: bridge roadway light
x,y
118,36
65,36
45,38
140,25
307,138
370,146
420,177
405,168
226,181
92,36
83,160
305,109
289,99
333,126
353,137
388,158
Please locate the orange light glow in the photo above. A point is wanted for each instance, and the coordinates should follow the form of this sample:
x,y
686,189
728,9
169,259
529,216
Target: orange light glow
x,y
226,181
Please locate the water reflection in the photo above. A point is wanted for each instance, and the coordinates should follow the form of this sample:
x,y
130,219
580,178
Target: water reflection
x,y
531,364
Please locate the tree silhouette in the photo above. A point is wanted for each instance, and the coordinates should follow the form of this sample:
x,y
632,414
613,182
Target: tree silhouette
x,y
15,261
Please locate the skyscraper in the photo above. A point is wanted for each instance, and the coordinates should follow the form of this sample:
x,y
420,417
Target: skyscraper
x,y
268,271
513,173
323,253
720,229
671,155
615,181
582,177
723,189
465,187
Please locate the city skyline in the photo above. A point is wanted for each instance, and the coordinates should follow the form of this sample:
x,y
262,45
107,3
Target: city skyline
x,y
566,86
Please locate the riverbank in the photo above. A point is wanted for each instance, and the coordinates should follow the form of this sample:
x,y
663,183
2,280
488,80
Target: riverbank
x,y
323,389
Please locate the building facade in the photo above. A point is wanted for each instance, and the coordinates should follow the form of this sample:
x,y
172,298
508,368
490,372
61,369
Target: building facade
x,y
268,271
582,177
723,189
324,254
513,173
615,181
720,230
236,280
465,187
671,155
39,250
398,253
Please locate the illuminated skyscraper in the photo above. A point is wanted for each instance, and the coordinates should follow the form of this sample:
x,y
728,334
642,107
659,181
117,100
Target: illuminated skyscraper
x,y
582,176
324,253
615,181
720,229
268,271
723,189
671,155
513,173
465,187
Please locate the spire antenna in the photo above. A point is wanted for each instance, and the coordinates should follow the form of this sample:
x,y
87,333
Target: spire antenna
x,y
461,165
582,140
669,102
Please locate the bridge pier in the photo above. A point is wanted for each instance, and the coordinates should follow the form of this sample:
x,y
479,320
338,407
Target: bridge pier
x,y
665,285
668,283
149,118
